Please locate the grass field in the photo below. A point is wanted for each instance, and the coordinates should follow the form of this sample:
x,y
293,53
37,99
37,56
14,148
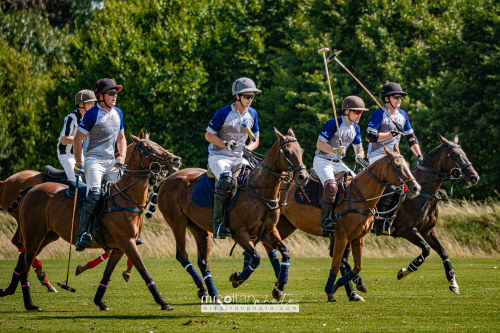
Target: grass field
x,y
419,303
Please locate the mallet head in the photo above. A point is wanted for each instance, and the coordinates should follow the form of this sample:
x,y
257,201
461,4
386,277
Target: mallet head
x,y
323,50
333,56
66,287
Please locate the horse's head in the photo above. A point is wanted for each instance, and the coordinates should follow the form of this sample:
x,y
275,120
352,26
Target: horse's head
x,y
399,172
151,155
456,163
290,157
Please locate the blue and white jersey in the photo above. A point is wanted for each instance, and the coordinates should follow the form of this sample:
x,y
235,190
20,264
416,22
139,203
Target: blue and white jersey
x,y
381,123
69,129
227,124
350,133
101,128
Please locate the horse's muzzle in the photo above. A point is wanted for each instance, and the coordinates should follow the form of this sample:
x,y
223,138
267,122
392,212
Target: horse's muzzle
x,y
301,178
413,191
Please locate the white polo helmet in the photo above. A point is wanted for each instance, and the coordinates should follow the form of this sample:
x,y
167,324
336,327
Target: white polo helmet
x,y
243,85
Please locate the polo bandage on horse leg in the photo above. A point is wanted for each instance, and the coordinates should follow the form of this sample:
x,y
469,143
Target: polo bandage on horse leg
x,y
129,263
209,283
28,302
450,274
101,290
97,261
36,264
154,201
330,283
192,271
275,262
252,266
415,264
246,259
285,264
345,279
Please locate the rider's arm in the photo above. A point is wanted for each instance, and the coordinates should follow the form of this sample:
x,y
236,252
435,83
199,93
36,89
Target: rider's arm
x,y
67,140
121,144
373,134
77,146
359,150
324,146
253,145
213,138
411,139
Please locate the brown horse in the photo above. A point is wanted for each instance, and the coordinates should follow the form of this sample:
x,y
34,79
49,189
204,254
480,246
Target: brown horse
x,y
250,217
417,217
9,191
45,215
351,228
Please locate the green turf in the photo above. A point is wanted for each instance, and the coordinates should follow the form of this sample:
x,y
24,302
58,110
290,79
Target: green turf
x,y
421,302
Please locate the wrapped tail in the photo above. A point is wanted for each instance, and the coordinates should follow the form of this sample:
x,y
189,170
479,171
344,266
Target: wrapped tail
x,y
18,200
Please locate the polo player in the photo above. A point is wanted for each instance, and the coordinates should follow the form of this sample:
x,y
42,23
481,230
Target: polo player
x,y
329,153
103,127
84,100
383,131
227,138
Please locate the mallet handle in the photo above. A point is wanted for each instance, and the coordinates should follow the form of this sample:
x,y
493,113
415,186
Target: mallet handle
x,y
249,132
331,96
72,224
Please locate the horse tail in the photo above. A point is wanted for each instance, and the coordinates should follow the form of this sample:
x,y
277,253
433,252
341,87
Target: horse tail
x,y
18,200
154,199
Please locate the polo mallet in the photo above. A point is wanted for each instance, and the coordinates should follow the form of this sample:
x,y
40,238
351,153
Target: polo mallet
x,y
65,286
334,57
322,51
249,132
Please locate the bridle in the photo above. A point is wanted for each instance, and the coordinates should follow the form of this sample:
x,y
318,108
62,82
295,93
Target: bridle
x,y
455,174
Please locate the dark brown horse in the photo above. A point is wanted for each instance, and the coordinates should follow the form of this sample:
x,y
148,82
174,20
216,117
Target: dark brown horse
x,y
353,219
45,215
417,217
250,217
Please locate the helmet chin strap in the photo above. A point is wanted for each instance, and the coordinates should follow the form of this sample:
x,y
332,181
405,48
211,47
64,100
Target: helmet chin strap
x,y
103,100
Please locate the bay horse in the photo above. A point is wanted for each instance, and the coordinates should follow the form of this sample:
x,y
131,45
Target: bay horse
x,y
254,214
353,221
45,215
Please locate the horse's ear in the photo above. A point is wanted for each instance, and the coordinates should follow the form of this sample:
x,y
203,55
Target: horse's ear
x,y
280,136
146,136
134,138
290,132
141,134
455,139
386,150
443,140
396,149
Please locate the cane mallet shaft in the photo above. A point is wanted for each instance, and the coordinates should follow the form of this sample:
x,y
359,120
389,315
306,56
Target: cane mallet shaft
x,y
334,57
322,51
71,239
249,132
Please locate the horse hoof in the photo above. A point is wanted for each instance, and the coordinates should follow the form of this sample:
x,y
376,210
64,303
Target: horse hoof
x,y
78,270
103,307
202,294
277,294
403,273
455,290
362,287
52,290
34,308
166,307
126,276
332,299
236,280
356,298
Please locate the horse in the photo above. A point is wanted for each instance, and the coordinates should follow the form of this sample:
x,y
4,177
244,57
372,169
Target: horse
x,y
417,218
254,214
46,210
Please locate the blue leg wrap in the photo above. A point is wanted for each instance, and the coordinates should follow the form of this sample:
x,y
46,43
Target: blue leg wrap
x,y
192,271
248,271
345,279
331,281
275,262
247,258
285,264
209,282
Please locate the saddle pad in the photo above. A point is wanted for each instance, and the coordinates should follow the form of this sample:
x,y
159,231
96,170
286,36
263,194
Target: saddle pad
x,y
308,195
203,194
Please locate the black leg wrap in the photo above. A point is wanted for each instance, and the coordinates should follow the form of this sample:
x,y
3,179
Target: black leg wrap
x,y
349,288
450,274
99,295
154,291
28,302
11,289
415,264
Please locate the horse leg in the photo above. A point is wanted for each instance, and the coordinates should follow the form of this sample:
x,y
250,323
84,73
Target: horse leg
x,y
128,273
130,249
29,255
273,239
11,289
114,258
435,244
37,265
346,268
285,229
202,239
412,234
244,240
338,250
92,263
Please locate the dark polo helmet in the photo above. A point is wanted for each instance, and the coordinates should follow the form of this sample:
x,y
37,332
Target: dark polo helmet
x,y
243,85
392,88
105,84
84,96
353,103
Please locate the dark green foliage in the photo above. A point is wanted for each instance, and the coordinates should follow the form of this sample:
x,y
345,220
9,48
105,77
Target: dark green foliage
x,y
178,59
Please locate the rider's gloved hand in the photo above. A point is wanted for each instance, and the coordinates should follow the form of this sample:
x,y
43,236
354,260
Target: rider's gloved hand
x,y
78,168
360,156
231,145
340,150
419,159
398,130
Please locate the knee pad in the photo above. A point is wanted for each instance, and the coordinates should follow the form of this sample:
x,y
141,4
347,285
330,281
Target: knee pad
x,y
330,191
224,185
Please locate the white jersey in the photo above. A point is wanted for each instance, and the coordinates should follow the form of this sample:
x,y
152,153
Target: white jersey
x,y
69,129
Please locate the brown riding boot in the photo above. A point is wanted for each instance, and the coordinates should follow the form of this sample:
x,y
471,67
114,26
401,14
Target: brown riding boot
x,y
328,225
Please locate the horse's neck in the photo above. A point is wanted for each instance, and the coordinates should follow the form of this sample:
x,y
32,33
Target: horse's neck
x,y
261,177
137,192
367,186
422,176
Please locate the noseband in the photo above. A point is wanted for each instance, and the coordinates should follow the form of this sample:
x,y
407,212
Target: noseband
x,y
402,188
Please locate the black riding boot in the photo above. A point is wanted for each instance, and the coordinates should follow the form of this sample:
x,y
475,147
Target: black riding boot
x,y
328,226
384,204
222,192
86,212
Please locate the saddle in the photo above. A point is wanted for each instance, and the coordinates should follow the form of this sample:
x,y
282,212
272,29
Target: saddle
x,y
312,193
54,175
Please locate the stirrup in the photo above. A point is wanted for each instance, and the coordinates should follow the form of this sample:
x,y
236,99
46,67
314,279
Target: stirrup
x,y
84,243
220,232
382,228
328,227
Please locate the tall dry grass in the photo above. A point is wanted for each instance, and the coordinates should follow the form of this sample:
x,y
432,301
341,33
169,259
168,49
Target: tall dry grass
x,y
466,229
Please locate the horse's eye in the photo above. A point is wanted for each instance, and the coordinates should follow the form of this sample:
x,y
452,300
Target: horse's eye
x,y
456,155
287,152
398,166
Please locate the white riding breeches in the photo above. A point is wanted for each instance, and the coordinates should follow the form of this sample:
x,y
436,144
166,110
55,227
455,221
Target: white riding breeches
x,y
326,169
97,170
68,163
220,163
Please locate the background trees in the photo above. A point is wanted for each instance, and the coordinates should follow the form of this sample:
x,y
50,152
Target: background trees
x,y
178,59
